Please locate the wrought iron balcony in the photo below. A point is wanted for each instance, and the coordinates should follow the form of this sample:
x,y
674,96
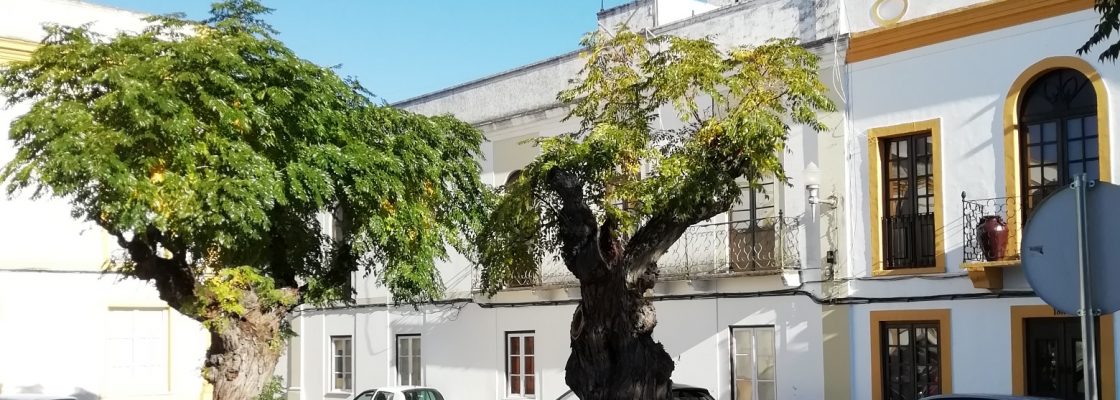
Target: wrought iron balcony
x,y
706,251
983,258
976,212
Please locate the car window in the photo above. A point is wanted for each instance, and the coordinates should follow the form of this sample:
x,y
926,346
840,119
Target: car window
x,y
365,396
383,396
691,394
422,394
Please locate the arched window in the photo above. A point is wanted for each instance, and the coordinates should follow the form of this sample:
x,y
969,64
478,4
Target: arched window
x,y
1058,134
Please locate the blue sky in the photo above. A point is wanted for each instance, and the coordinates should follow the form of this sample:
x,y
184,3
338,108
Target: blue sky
x,y
400,49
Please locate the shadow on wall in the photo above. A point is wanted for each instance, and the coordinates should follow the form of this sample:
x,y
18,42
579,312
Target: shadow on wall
x,y
75,392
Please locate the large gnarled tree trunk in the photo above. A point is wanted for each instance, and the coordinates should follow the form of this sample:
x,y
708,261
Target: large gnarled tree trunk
x,y
243,355
613,354
244,347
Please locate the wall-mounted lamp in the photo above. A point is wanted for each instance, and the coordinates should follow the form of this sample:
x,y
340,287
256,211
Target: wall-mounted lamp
x,y
813,187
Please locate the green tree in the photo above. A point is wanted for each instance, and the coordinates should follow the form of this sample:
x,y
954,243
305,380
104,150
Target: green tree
x,y
584,198
1110,22
209,150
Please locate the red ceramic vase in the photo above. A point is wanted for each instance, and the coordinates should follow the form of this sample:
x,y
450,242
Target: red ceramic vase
x,y
991,233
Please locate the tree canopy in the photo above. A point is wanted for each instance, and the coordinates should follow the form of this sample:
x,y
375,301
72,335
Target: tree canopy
x,y
211,151
736,105
1109,23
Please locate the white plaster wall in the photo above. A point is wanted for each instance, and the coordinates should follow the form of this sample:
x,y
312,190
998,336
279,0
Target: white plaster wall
x,y
24,19
463,347
968,97
860,18
979,342
55,334
670,11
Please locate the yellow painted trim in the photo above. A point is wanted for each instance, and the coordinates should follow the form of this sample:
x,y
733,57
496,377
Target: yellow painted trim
x,y
1011,164
978,265
1019,315
956,24
946,334
15,50
875,194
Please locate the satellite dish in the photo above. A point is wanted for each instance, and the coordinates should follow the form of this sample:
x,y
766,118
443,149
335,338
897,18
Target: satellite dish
x,y
1049,249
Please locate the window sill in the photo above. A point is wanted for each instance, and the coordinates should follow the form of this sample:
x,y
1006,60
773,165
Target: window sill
x,y
907,271
988,274
337,394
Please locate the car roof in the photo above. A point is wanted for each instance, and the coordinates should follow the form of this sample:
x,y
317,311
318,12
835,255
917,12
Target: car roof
x,y
981,396
403,388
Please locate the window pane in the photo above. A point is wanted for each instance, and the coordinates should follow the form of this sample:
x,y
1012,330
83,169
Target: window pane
x,y
529,365
743,339
1050,153
515,384
1050,132
416,375
529,345
765,367
530,385
514,345
765,341
744,367
402,370
416,346
744,389
1073,128
767,390
515,365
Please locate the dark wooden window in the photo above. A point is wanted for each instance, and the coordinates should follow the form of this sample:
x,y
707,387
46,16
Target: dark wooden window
x,y
752,229
908,189
911,359
1058,124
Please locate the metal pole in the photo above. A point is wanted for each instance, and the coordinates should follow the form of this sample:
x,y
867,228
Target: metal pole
x,y
1087,312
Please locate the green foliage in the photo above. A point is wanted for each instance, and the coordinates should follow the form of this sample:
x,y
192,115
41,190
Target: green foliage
x,y
1110,22
736,105
231,292
221,148
273,389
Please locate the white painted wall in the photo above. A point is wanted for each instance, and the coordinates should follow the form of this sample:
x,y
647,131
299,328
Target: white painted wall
x,y
670,11
56,332
968,96
463,348
54,304
979,342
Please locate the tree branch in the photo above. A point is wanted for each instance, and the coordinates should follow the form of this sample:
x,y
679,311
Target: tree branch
x,y
579,236
172,276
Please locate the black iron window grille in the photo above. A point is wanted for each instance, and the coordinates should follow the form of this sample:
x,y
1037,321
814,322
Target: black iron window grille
x,y
908,223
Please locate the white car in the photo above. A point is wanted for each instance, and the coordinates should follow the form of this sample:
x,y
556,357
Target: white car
x,y
400,393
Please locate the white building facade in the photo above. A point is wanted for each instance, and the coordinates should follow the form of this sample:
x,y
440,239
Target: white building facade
x,y
65,327
950,112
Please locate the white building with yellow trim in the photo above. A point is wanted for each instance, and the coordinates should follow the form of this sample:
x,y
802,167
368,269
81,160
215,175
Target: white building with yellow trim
x,y
951,111
66,328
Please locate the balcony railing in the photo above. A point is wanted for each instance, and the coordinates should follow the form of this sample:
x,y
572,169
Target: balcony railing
x,y
910,241
735,248
975,213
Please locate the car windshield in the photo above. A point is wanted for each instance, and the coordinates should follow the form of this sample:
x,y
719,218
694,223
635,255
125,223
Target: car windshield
x,y
422,394
365,396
